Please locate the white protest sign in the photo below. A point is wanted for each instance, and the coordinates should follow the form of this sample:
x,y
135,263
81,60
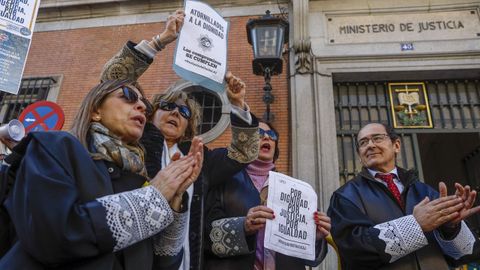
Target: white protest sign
x,y
201,53
17,20
292,232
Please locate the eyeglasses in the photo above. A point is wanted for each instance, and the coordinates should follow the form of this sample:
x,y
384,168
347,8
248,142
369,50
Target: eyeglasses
x,y
376,139
182,109
269,132
132,97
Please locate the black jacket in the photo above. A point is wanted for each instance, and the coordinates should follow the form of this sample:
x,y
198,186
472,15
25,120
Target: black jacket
x,y
361,204
233,199
59,222
219,163
217,166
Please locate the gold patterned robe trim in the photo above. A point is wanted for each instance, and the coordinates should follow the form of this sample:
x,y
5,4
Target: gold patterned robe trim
x,y
124,65
244,147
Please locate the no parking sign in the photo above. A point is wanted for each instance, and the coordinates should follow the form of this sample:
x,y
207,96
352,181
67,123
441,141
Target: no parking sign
x,y
42,116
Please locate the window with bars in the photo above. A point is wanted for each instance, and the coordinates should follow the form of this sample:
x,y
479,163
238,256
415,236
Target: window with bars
x,y
454,104
31,90
211,107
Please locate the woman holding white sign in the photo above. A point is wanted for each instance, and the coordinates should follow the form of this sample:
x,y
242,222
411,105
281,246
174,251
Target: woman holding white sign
x,y
236,218
171,128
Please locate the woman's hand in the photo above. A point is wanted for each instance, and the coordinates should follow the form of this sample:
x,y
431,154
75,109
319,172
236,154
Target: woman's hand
x,y
256,218
173,25
235,90
170,178
323,224
176,204
196,150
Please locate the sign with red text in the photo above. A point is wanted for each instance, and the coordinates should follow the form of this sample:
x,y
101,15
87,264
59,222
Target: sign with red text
x,y
292,232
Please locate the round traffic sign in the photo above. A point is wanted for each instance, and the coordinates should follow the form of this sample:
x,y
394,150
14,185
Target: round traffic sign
x,y
42,116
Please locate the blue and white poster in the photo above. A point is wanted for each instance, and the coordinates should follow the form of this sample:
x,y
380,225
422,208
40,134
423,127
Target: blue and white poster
x,y
17,20
201,53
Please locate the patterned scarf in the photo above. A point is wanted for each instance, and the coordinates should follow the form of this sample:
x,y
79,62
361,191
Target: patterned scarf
x,y
111,148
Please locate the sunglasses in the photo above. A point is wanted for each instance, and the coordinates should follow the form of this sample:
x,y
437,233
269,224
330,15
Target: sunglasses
x,y
132,97
270,134
182,109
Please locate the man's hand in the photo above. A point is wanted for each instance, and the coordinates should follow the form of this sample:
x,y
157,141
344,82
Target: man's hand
x,y
432,214
256,218
468,197
235,90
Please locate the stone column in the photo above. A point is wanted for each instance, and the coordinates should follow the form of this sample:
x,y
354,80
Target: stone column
x,y
314,144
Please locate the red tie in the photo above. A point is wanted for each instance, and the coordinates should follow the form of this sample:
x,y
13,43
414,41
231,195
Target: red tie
x,y
388,178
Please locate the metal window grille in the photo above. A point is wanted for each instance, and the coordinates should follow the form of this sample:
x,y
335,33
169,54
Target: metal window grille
x,y
211,107
455,107
31,90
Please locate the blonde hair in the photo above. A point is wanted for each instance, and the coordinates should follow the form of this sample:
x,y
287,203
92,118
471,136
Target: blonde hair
x,y
172,95
92,101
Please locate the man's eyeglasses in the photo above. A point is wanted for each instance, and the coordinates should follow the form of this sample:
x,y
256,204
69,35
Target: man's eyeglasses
x,y
376,139
269,132
182,109
132,97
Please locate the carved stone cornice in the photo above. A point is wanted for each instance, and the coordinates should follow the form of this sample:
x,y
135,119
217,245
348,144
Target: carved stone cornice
x,y
303,56
301,38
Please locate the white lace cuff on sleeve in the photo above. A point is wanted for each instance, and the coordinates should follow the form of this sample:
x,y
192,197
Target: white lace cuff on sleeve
x,y
170,241
136,215
228,237
242,114
402,236
459,246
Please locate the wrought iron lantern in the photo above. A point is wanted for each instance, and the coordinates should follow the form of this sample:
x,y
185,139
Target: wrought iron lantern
x,y
267,35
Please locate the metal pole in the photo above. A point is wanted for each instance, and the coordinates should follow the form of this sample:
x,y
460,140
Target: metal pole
x,y
267,96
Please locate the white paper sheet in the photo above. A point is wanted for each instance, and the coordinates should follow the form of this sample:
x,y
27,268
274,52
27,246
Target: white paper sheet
x,y
292,232
201,54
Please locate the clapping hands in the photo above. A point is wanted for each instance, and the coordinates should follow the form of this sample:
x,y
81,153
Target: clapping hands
x,y
446,210
173,180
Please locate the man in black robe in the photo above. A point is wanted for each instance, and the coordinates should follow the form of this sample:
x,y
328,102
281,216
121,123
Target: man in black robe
x,y
385,218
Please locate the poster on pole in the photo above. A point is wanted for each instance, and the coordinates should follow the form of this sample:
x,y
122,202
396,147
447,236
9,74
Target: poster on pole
x,y
201,52
17,20
292,232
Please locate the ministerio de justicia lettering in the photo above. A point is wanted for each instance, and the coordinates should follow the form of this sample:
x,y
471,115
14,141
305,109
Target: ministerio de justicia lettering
x,y
402,27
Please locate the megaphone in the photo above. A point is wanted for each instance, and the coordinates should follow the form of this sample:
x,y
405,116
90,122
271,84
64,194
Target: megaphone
x,y
14,130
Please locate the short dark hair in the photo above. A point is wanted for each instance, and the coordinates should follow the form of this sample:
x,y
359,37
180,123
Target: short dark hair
x,y
277,150
388,129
